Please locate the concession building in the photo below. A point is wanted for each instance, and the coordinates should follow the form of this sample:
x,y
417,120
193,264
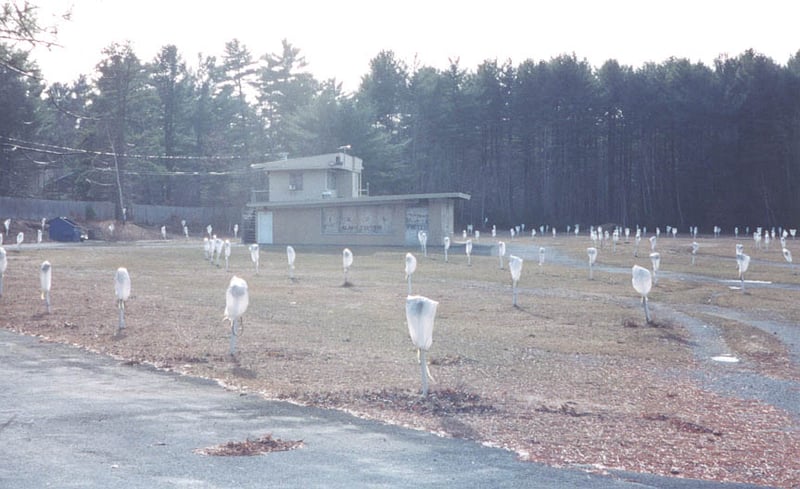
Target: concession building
x,y
318,200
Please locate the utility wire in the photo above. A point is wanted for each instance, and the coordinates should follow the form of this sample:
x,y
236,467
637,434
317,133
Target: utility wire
x,y
67,151
62,151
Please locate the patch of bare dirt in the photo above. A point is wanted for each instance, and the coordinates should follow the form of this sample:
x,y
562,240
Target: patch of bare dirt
x,y
103,230
443,402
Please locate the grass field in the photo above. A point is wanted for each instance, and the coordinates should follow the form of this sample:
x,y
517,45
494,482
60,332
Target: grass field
x,y
574,376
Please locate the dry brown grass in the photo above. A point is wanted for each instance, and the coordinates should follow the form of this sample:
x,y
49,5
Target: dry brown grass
x,y
572,377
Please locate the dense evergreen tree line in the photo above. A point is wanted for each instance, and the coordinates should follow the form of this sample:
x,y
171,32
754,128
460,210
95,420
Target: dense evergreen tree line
x,y
558,141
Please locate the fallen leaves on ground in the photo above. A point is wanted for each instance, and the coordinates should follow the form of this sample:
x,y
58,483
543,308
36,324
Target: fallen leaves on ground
x,y
265,444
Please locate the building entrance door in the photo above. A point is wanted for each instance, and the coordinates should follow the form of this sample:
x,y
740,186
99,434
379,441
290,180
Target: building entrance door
x,y
264,228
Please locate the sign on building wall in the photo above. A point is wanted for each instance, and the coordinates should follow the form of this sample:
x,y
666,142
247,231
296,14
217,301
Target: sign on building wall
x,y
357,220
416,220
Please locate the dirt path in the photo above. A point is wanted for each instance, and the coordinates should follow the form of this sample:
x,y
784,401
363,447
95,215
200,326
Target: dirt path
x,y
789,334
739,378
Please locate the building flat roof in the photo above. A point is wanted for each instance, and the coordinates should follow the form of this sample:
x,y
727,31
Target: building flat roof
x,y
317,162
378,199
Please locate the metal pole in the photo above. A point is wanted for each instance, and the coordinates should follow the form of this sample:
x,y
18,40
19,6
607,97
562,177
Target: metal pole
x,y
233,336
424,368
121,315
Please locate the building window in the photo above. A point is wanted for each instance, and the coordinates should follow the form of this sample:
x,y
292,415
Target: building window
x,y
331,184
296,181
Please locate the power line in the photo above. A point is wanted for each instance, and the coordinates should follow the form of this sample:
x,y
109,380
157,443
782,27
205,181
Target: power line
x,y
68,151
147,173
63,151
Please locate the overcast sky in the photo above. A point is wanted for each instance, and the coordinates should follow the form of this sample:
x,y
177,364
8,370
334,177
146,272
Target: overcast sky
x,y
338,38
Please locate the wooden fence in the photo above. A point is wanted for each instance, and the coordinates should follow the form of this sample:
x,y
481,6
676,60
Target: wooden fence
x,y
35,209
